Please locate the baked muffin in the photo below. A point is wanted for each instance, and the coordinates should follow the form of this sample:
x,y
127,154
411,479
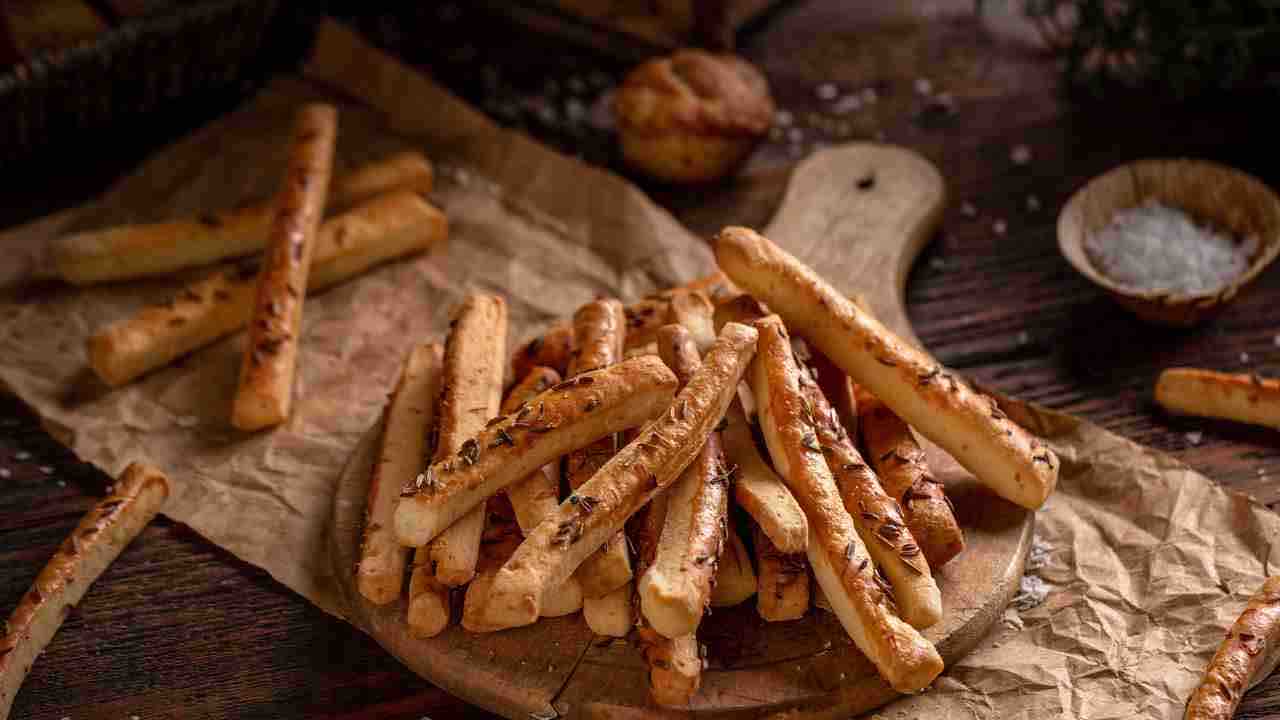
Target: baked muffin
x,y
692,117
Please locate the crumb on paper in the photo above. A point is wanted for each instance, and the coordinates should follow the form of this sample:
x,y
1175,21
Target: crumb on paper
x,y
1194,437
1012,620
1038,554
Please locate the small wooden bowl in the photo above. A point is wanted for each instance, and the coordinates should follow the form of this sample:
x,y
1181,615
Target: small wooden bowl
x,y
1211,194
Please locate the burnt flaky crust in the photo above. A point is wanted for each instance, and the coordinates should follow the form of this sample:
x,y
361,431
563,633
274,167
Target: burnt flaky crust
x,y
1248,654
539,493
877,516
647,465
409,419
676,588
695,91
904,473
265,392
565,417
100,537
936,401
861,598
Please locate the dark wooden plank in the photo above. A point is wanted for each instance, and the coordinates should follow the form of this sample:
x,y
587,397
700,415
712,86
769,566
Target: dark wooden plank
x,y
179,629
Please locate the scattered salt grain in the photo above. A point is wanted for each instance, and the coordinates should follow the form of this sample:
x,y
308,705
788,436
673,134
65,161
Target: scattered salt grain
x,y
783,118
1032,592
1020,155
924,86
62,483
870,96
937,263
46,469
968,210
999,227
1194,437
1158,248
6,473
827,91
1038,554
1024,338
1276,341
1033,204
1244,357
795,135
847,104
22,456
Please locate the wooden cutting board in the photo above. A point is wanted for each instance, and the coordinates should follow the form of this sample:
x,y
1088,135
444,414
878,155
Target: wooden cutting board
x,y
859,214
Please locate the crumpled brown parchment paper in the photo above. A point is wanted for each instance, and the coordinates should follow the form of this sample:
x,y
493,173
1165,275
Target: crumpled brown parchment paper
x,y
1145,561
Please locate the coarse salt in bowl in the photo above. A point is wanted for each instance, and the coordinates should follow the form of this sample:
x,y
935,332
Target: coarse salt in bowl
x,y
1194,235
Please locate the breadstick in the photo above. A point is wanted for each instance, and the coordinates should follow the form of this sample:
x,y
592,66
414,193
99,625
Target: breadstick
x,y
676,589
1002,455
383,229
428,613
410,416
876,516
783,580
1246,657
265,393
598,331
838,389
756,487
859,596
647,465
500,539
566,417
735,579
1241,397
904,472
675,666
98,540
534,497
610,614
555,346
473,368
694,311
133,251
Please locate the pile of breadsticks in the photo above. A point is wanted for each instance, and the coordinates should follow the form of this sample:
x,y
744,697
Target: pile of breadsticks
x,y
603,480
275,253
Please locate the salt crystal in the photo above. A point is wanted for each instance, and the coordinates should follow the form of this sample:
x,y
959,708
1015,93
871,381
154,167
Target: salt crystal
x,y
999,227
795,135
1032,592
783,118
22,456
1033,204
1276,341
1020,155
1194,437
924,86
870,96
6,473
62,483
1244,357
46,469
575,110
576,85
968,210
937,263
827,91
847,104
1158,248
1024,338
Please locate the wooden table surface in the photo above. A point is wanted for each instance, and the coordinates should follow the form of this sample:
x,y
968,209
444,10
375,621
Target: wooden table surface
x,y
179,628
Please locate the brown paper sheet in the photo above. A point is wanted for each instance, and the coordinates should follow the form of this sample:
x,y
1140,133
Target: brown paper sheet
x,y
1145,562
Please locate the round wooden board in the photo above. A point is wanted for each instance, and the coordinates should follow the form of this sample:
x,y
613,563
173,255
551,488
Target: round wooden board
x,y
862,235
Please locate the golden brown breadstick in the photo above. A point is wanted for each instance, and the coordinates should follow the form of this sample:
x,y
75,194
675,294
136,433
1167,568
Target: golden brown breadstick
x,y
610,614
735,578
534,497
555,346
265,392
598,331
1246,657
904,472
1002,455
783,580
861,599
133,251
838,389
428,613
501,538
566,417
640,470
1247,398
877,516
410,417
383,229
675,666
676,589
474,358
98,540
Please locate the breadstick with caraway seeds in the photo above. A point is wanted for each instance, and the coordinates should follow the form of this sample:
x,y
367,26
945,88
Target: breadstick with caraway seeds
x,y
265,392
736,580
782,580
1248,654
860,598
409,419
101,536
646,466
1001,455
1247,398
